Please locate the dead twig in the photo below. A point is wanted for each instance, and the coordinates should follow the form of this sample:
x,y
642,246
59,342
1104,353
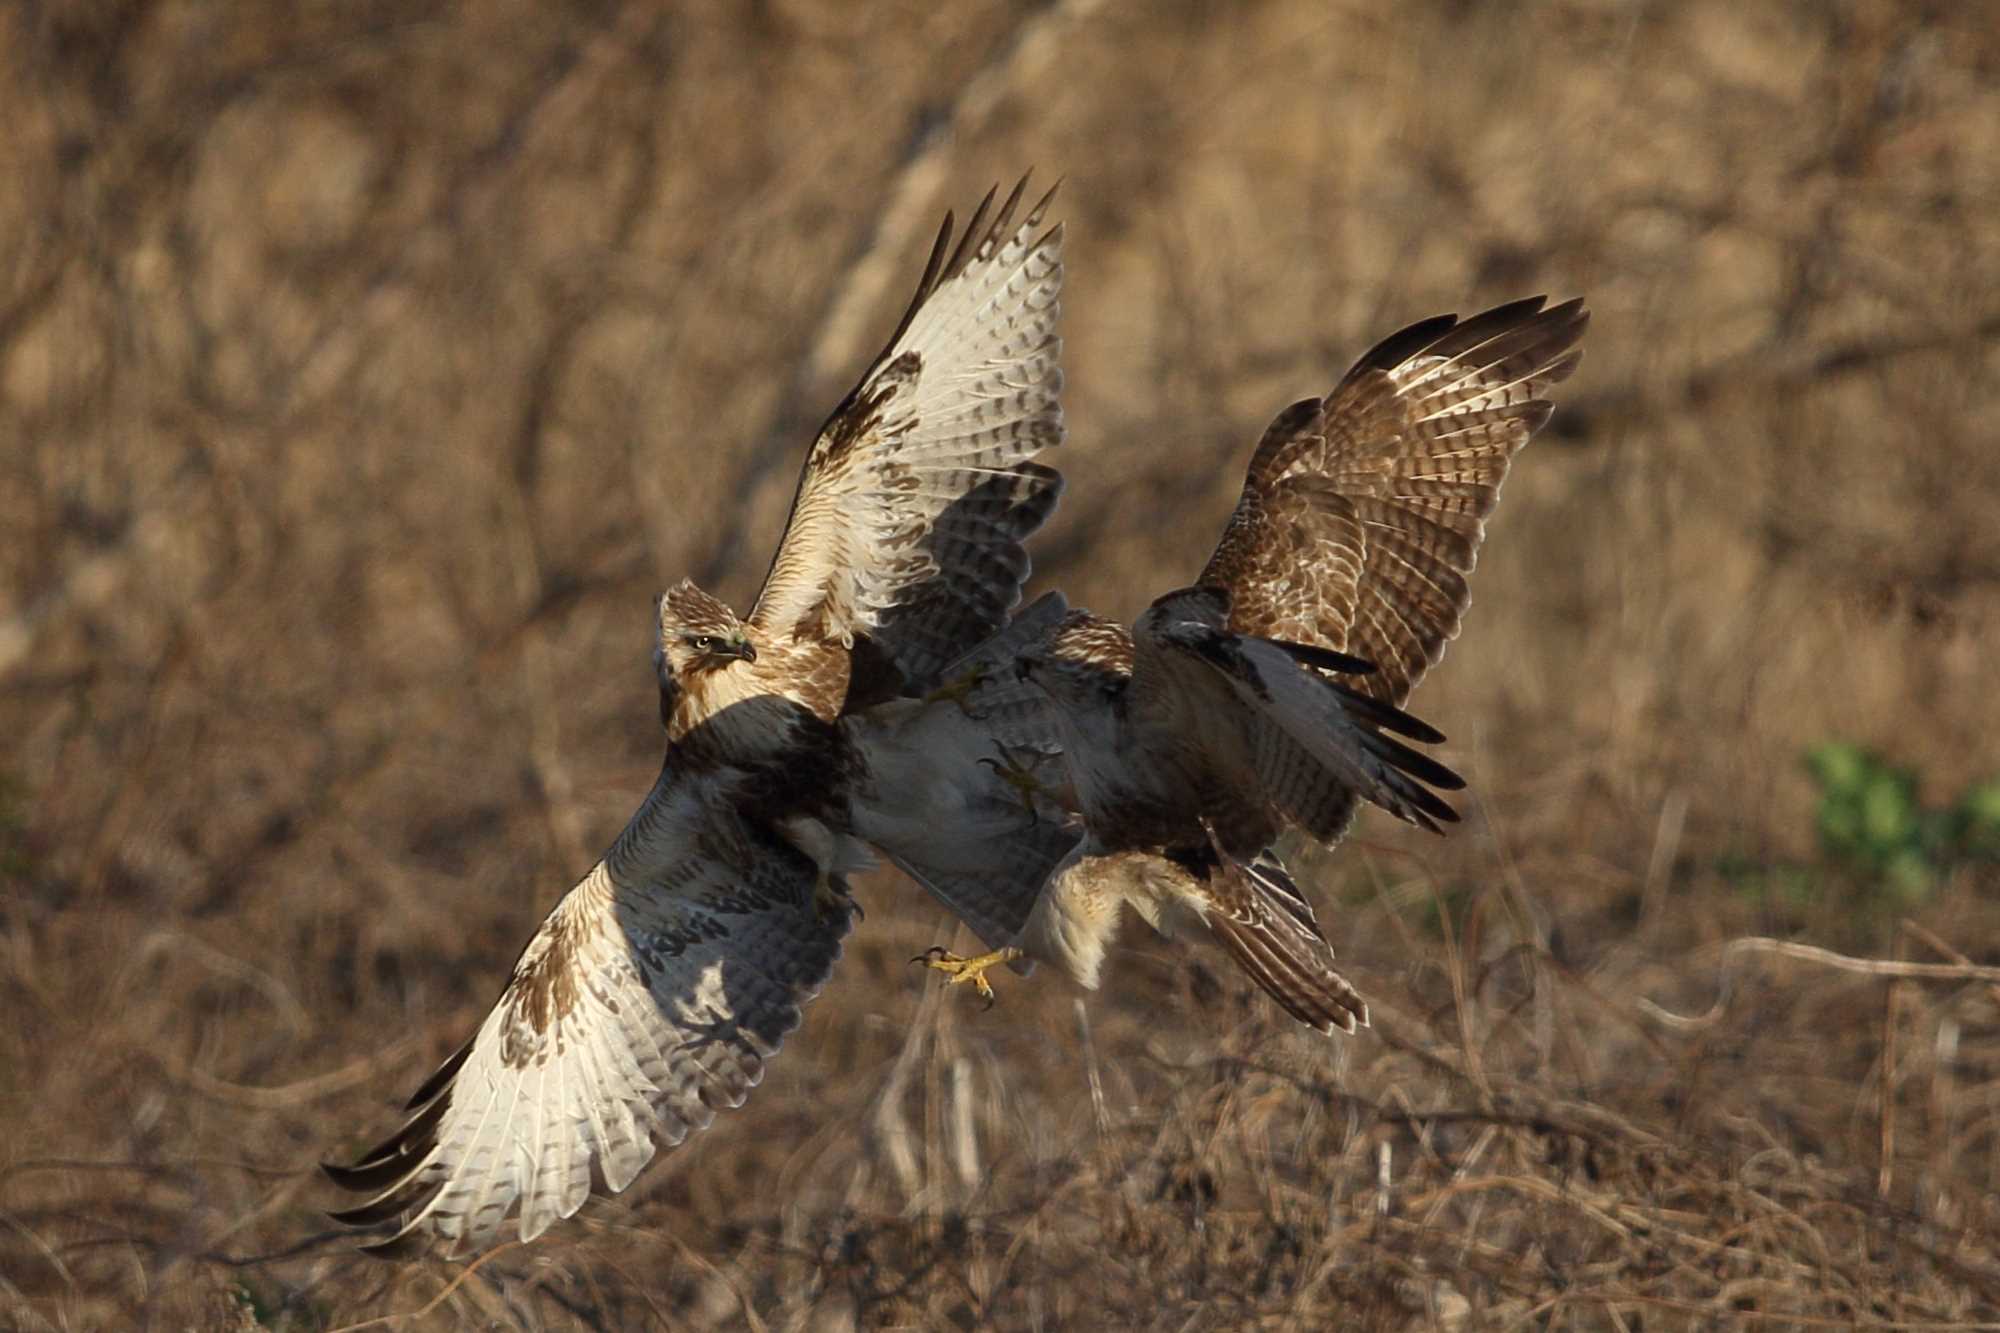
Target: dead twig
x,y
1810,953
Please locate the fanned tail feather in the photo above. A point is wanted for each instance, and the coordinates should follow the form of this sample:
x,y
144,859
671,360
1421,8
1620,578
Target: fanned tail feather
x,y
1274,938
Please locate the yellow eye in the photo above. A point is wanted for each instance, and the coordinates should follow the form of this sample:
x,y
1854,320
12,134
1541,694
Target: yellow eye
x,y
705,642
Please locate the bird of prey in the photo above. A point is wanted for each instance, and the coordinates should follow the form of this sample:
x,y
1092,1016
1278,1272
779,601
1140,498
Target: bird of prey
x,y
658,987
1266,698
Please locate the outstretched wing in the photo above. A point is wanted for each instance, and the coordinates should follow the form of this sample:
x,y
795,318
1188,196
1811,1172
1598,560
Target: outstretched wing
x,y
907,526
650,998
1363,511
1270,735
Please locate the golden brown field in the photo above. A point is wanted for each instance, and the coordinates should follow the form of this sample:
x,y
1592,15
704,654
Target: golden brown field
x,y
366,367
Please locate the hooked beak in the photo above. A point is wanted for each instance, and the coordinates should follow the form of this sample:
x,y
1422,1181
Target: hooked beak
x,y
735,650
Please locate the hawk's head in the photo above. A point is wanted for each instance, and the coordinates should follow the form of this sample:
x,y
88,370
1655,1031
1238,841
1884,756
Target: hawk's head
x,y
697,635
1084,664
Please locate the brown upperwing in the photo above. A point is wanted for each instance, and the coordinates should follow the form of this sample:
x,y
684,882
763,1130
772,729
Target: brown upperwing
x,y
1363,511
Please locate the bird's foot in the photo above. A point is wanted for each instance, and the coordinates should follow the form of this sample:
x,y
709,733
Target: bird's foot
x,y
833,901
963,970
1021,778
959,691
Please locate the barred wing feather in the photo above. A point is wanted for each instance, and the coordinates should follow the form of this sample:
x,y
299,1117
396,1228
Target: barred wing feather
x,y
1363,512
908,523
650,998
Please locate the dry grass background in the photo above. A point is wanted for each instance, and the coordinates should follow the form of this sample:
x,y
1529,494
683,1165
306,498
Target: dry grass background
x,y
364,368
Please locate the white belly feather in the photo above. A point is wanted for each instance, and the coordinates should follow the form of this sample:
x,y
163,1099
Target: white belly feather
x,y
1077,915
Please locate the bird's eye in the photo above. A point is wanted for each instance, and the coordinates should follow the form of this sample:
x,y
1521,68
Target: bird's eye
x,y
704,642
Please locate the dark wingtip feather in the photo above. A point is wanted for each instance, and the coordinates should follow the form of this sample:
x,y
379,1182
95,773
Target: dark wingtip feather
x,y
1041,207
947,261
977,236
1386,715
1419,766
439,1078
1520,318
1401,345
1326,659
968,240
375,1172
375,1211
360,1178
1447,335
1421,806
390,1161
934,266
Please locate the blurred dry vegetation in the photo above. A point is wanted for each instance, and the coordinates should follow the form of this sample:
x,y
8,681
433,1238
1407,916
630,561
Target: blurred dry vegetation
x,y
365,367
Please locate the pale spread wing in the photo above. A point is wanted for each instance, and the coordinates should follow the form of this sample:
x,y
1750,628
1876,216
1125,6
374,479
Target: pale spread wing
x,y
962,789
649,999
1363,512
907,528
1306,744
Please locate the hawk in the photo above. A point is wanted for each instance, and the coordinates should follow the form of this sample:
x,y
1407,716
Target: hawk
x,y
1267,697
658,987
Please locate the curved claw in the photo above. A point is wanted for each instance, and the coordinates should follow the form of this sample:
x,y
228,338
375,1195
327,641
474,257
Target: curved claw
x,y
833,900
1027,787
962,971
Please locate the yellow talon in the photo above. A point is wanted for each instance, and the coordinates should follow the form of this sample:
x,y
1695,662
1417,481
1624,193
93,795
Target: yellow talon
x,y
962,970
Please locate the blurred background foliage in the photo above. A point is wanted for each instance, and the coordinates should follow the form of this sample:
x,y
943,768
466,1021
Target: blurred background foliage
x,y
1872,821
366,366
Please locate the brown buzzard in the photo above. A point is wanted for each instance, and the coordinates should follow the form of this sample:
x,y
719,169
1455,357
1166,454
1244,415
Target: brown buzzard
x,y
1266,698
